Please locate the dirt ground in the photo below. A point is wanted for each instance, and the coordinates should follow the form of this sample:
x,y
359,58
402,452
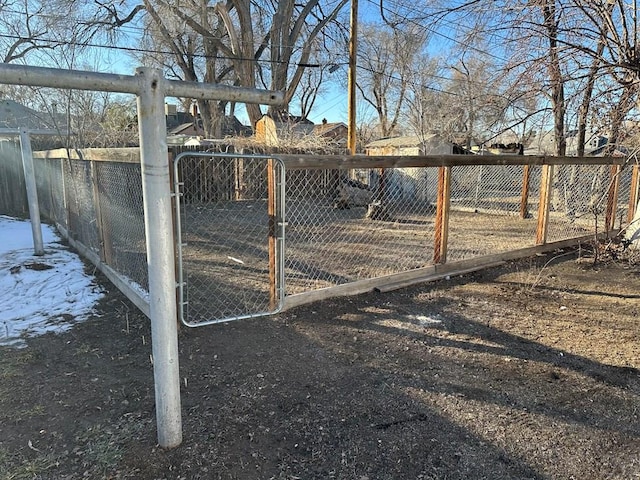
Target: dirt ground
x,y
526,371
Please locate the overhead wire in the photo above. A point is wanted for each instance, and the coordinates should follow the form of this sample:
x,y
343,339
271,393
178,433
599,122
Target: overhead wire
x,y
265,61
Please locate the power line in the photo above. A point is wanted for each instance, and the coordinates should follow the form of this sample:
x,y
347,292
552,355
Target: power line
x,y
204,56
152,51
437,32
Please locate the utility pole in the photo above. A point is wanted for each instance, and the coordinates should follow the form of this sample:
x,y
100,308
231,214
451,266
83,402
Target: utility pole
x,y
353,48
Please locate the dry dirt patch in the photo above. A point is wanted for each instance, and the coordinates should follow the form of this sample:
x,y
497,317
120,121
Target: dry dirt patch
x,y
530,370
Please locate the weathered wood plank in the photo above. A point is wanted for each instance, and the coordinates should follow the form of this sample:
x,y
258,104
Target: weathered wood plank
x,y
345,162
121,155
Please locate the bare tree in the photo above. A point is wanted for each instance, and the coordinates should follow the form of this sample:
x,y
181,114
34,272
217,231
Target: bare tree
x,y
426,96
238,41
26,27
313,83
386,61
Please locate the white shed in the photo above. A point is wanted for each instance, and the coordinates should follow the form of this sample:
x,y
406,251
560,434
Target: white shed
x,y
410,183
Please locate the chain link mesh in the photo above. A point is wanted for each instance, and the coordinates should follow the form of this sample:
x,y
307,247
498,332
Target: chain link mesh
x,y
81,208
348,226
120,202
342,225
623,208
578,201
100,205
48,172
488,212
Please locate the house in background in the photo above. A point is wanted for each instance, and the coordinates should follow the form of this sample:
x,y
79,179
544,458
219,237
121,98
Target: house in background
x,y
432,144
337,132
47,128
410,183
274,129
14,115
545,144
185,126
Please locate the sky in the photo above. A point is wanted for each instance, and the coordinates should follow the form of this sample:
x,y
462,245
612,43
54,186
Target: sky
x,y
332,103
40,294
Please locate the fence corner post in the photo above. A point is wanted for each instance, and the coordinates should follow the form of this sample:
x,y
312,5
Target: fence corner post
x,y
160,255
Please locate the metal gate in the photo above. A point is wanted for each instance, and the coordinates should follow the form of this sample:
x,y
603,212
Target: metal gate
x,y
230,236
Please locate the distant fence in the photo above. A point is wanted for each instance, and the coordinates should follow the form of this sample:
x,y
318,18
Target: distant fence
x,y
13,192
352,223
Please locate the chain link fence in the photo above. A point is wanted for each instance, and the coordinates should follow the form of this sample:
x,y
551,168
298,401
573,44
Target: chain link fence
x,y
254,231
350,225
356,225
121,219
493,209
97,204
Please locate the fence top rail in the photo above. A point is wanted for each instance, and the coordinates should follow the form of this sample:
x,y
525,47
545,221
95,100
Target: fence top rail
x,y
110,82
325,162
304,162
120,155
14,132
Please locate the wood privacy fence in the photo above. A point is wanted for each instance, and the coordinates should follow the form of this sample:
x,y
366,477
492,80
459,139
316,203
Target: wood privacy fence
x,y
13,192
437,215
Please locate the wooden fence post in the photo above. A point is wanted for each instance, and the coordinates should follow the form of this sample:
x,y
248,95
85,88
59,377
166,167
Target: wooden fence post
x,y
524,198
612,197
441,234
546,183
104,232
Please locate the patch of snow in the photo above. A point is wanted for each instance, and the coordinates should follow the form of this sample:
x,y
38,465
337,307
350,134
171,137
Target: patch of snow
x,y
40,294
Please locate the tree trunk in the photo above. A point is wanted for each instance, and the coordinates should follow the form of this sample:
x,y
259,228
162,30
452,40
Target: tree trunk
x,y
555,75
587,94
211,118
255,113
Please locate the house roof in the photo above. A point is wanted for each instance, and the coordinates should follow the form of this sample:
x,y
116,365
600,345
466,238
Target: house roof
x,y
284,117
231,126
15,115
545,144
405,141
179,129
327,129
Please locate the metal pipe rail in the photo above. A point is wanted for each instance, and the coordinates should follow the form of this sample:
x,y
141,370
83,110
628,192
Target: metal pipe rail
x,y
109,82
151,88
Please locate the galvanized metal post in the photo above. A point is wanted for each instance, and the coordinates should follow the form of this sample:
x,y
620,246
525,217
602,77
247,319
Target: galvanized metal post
x,y
32,191
160,255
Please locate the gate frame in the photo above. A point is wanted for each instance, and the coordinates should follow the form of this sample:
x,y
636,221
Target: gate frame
x,y
276,202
